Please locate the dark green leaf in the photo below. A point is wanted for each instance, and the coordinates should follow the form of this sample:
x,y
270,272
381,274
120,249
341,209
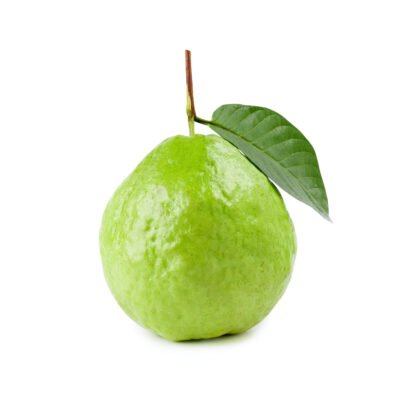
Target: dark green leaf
x,y
276,147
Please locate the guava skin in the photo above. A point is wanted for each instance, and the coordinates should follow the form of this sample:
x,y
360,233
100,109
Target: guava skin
x,y
196,242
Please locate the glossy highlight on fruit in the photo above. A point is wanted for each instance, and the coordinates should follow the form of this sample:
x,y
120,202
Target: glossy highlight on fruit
x,y
196,242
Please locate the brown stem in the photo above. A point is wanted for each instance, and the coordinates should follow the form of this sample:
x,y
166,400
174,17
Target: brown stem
x,y
190,105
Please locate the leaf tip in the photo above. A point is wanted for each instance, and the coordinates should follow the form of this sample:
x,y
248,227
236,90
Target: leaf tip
x,y
327,217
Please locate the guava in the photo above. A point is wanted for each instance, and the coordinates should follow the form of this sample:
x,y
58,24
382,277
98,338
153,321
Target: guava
x,y
196,242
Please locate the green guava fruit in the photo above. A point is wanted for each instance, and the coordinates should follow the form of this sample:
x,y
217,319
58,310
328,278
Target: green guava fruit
x,y
196,242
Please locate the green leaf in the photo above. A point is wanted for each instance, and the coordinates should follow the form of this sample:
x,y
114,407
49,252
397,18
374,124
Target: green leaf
x,y
276,147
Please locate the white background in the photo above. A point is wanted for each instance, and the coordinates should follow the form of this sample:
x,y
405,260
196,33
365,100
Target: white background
x,y
88,88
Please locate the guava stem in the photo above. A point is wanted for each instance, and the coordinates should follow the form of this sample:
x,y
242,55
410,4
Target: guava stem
x,y
190,105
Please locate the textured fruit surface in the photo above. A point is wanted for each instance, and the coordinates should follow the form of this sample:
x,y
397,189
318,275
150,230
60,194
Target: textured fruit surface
x,y
196,242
